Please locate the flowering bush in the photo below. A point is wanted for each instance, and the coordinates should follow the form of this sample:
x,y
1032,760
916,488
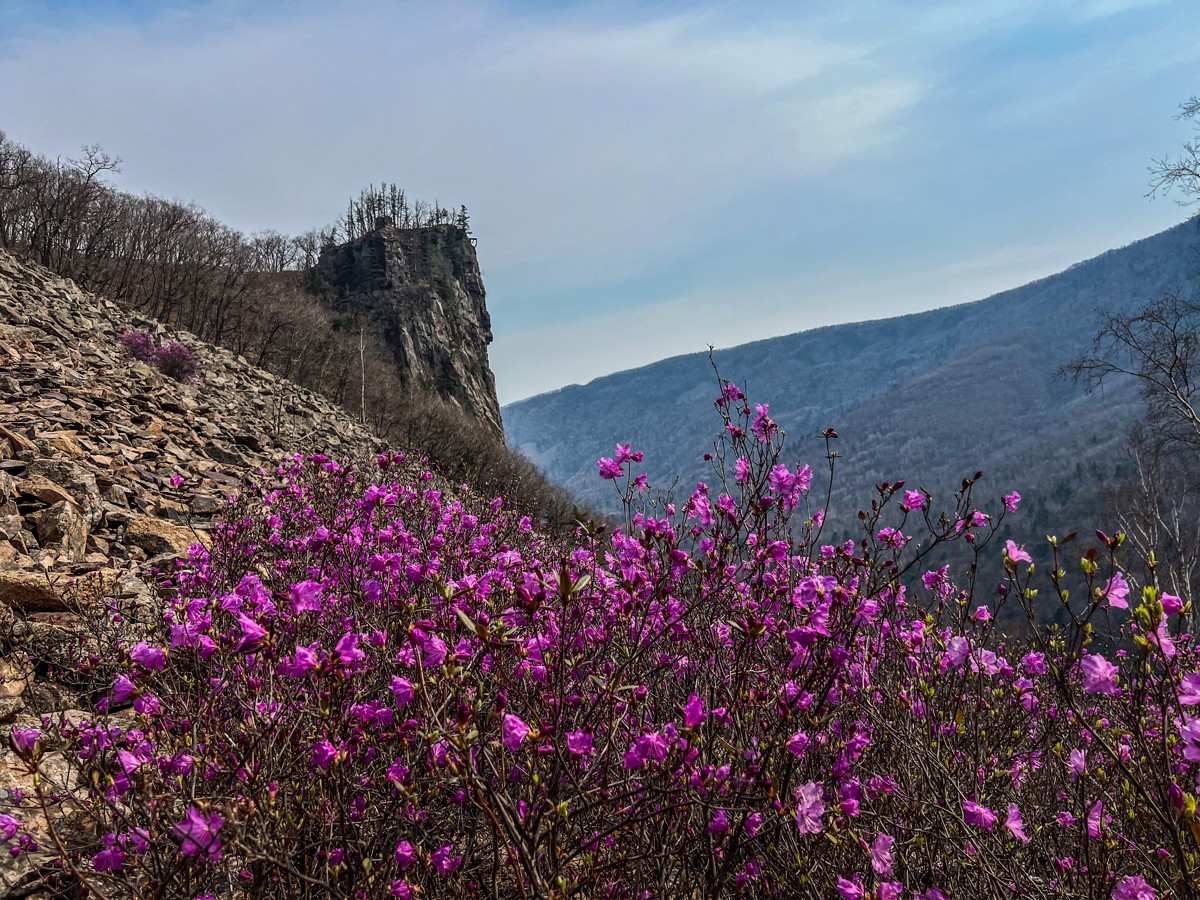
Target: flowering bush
x,y
376,687
173,358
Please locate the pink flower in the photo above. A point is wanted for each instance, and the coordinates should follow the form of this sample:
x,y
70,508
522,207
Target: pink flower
x,y
25,739
514,731
1099,675
741,470
1077,763
763,425
1189,690
347,650
890,890
1011,501
579,743
1016,553
305,596
110,860
1096,820
123,688
403,689
1116,589
148,657
1133,887
609,468
1015,826
693,711
913,501
809,809
1190,732
975,814
1171,604
198,832
405,854
797,743
9,827
719,823
323,755
624,454
254,636
443,862
881,854
849,890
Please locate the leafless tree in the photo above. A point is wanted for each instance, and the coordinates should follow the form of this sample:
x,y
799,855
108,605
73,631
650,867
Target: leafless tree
x,y
1181,173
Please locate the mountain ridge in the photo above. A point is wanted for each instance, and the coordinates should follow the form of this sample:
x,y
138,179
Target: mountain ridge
x,y
862,377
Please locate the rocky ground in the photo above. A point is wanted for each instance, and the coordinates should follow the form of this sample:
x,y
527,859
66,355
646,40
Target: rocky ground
x,y
109,471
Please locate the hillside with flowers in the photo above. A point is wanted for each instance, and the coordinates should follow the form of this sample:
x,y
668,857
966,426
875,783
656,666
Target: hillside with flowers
x,y
368,682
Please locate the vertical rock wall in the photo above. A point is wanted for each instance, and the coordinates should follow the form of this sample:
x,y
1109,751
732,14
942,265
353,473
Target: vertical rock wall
x,y
421,291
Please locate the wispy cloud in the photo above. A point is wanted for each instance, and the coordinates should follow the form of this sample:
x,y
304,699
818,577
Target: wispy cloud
x,y
634,171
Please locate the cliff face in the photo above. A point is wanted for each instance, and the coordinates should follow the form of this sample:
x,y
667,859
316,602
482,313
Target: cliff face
x,y
421,291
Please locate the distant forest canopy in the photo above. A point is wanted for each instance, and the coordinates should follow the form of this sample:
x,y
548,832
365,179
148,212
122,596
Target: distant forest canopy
x,y
174,262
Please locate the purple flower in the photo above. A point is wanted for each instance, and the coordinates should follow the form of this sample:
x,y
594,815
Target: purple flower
x,y
809,809
797,743
199,834
347,650
975,814
25,740
881,854
1015,825
1016,553
1077,763
323,755
513,731
1189,690
693,711
1099,675
1133,887
9,827
741,470
110,860
1190,732
849,890
405,854
153,658
254,636
403,689
913,501
609,468
305,596
719,823
443,862
1011,501
1116,589
579,743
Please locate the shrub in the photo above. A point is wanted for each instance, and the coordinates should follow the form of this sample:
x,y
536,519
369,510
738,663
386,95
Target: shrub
x,y
139,345
173,358
176,361
370,687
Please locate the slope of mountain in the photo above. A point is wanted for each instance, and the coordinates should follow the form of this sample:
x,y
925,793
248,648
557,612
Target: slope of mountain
x,y
929,397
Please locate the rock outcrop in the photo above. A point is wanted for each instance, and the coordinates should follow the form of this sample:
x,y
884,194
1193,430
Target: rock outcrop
x,y
420,290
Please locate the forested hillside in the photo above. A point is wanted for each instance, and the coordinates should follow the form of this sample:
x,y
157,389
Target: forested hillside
x,y
929,398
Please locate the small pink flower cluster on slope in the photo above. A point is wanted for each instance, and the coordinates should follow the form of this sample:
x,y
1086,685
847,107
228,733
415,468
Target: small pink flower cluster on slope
x,y
373,687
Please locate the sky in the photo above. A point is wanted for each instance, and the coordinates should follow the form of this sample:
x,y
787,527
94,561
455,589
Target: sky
x,y
644,178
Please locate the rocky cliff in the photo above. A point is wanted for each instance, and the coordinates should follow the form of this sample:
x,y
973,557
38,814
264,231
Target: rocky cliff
x,y
421,291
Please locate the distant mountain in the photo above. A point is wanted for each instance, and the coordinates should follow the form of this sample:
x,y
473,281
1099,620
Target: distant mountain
x,y
929,398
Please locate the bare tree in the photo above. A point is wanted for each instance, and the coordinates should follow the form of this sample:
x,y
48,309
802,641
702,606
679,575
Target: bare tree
x,y
1180,173
1159,508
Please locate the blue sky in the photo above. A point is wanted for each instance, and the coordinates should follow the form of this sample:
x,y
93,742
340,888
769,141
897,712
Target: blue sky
x,y
645,179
